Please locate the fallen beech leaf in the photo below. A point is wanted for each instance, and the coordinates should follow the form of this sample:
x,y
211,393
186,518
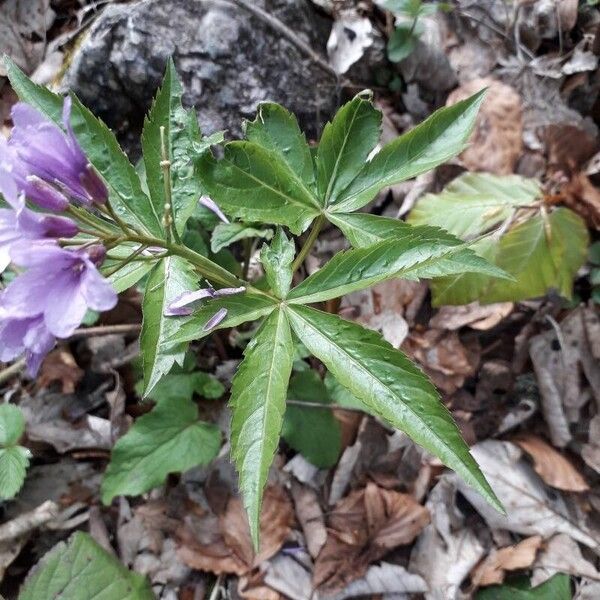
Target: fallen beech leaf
x,y
530,508
552,466
60,366
363,527
474,315
497,141
223,545
520,556
447,549
310,516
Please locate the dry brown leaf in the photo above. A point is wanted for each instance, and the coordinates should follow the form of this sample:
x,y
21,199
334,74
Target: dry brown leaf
x,y
497,141
551,465
443,357
520,556
310,516
568,147
223,545
473,315
363,527
583,197
60,366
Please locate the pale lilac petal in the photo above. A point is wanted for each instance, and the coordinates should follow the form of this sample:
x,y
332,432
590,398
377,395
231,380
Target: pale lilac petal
x,y
66,311
24,115
27,294
97,291
4,258
42,254
215,319
183,305
214,207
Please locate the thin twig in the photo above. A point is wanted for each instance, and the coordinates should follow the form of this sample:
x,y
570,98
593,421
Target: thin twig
x,y
280,27
86,332
12,370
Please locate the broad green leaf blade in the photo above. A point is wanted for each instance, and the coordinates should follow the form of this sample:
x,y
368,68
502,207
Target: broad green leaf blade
x,y
169,439
81,570
417,253
225,234
277,261
255,184
128,275
177,386
182,135
258,395
442,136
391,386
558,587
475,203
345,145
364,230
541,255
100,146
170,278
314,432
12,424
277,129
240,309
14,461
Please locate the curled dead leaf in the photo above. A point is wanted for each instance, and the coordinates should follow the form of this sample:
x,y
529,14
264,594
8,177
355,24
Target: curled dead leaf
x,y
474,315
363,527
520,556
552,466
223,545
60,366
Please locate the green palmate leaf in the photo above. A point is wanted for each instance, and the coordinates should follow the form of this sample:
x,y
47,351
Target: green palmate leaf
x,y
82,570
240,309
14,459
170,277
258,395
177,386
558,587
443,135
345,145
390,385
363,230
128,275
417,253
277,129
255,184
225,234
341,396
169,439
277,261
101,147
314,432
475,203
542,254
182,136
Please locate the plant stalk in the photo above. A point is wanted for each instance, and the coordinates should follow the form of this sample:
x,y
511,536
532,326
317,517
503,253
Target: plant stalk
x,y
308,244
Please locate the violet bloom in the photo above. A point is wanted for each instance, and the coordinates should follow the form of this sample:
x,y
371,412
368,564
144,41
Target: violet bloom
x,y
24,224
186,303
28,336
61,285
214,207
48,164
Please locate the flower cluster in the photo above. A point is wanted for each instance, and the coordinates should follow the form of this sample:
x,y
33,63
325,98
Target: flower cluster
x,y
44,165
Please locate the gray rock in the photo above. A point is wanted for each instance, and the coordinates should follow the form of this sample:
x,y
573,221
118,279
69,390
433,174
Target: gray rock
x,y
229,61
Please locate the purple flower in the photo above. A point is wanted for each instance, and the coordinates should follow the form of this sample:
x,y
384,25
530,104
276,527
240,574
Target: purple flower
x,y
214,207
24,224
46,163
185,304
215,319
28,336
61,285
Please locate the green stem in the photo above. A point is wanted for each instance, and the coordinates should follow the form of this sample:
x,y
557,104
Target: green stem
x,y
165,165
308,244
110,211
